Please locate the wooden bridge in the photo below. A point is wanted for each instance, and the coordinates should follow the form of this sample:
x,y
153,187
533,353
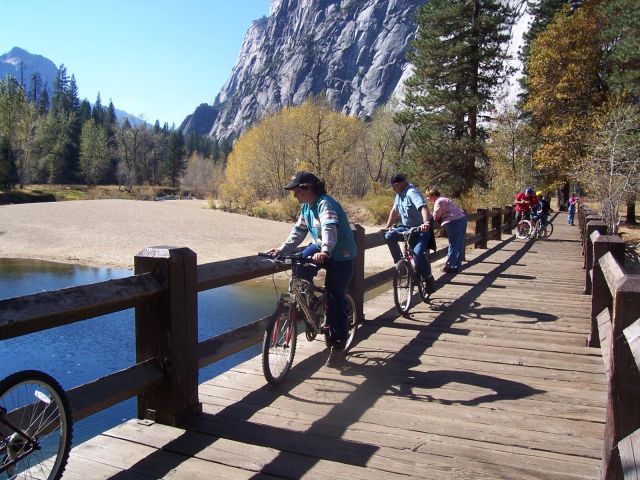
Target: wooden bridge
x,y
493,379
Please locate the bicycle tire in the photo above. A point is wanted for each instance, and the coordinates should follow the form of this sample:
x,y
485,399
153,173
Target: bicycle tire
x,y
547,231
403,286
523,229
425,296
279,344
352,319
42,412
352,323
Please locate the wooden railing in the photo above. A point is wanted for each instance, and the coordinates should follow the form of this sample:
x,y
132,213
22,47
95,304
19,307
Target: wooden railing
x,y
163,291
615,328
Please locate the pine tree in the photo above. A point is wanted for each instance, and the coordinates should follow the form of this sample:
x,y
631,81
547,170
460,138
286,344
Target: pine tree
x,y
621,36
176,159
35,89
111,126
98,113
459,59
59,101
84,112
44,104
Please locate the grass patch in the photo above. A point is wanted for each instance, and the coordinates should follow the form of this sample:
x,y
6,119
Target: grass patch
x,y
24,196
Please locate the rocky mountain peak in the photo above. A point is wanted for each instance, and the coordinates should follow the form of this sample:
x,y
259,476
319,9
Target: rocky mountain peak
x,y
352,51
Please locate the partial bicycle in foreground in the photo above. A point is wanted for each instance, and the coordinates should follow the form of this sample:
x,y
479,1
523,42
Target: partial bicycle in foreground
x,y
303,301
35,427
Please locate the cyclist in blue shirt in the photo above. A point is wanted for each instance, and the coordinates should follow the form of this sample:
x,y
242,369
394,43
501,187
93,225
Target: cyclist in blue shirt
x,y
412,209
333,246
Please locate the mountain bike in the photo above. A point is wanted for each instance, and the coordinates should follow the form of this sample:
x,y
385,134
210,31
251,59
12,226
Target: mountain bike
x,y
539,231
406,276
35,426
303,300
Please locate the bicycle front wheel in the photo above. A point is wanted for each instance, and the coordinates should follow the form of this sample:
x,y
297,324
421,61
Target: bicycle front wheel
x,y
523,229
403,286
279,344
37,406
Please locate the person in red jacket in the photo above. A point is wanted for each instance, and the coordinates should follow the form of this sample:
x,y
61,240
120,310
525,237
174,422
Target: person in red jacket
x,y
523,203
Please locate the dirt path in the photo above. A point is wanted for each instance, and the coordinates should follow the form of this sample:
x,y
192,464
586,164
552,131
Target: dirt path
x,y
108,233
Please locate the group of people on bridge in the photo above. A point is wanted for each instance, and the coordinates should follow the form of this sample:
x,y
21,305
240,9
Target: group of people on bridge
x,y
334,249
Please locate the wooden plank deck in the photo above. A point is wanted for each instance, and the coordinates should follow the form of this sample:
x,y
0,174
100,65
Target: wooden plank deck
x,y
490,381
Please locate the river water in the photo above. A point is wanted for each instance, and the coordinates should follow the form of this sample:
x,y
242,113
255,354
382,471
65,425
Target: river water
x,y
83,351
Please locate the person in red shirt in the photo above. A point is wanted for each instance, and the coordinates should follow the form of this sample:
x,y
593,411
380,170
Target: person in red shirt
x,y
523,203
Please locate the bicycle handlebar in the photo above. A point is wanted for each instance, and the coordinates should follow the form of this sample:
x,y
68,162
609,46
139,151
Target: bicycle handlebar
x,y
295,259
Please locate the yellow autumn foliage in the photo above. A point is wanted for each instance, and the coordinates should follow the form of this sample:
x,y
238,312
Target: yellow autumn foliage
x,y
310,136
565,90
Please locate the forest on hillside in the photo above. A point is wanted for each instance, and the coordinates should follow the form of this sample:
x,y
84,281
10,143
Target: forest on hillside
x,y
576,124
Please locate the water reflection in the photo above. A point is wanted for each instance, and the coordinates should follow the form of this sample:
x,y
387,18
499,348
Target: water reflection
x,y
83,351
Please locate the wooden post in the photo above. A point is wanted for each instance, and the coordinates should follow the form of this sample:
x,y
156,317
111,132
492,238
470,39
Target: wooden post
x,y
592,226
167,330
482,227
496,223
508,219
623,414
586,232
357,281
601,295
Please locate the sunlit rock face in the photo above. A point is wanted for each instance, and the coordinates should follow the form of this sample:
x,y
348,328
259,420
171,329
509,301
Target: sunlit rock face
x,y
351,51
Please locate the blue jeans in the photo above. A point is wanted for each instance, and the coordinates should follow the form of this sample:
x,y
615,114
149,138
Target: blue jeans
x,y
456,232
336,282
419,249
572,212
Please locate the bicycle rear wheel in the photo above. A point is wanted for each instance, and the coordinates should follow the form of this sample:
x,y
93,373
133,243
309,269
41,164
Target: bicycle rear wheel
x,y
352,323
403,286
523,229
547,231
279,344
37,406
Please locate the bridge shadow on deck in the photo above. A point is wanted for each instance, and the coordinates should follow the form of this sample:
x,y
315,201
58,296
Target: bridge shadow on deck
x,y
385,373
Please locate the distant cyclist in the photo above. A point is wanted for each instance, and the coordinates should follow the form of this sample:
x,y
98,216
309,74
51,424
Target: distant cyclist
x,y
524,202
542,210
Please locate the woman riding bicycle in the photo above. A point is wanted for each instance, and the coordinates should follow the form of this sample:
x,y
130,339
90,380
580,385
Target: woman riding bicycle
x,y
333,247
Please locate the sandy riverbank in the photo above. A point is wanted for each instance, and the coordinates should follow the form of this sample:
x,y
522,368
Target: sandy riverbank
x,y
109,233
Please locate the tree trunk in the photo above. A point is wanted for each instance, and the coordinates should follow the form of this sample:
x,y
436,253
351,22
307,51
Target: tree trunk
x,y
631,211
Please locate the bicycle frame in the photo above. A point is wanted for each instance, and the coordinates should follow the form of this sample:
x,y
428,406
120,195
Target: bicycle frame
x,y
300,290
407,252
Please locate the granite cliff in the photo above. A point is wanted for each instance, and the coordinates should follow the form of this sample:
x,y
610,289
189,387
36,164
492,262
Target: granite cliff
x,y
352,51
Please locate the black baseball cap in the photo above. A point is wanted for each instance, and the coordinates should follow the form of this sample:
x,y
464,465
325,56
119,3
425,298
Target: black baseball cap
x,y
301,178
398,177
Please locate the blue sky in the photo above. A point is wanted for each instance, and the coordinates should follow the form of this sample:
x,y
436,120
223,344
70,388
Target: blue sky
x,y
158,58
